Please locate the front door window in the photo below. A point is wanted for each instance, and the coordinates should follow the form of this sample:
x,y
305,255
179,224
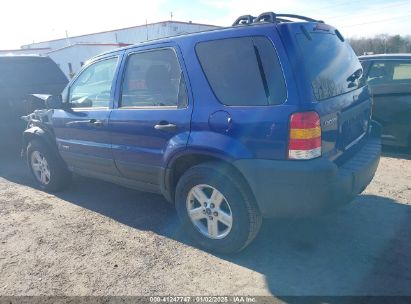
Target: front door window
x,y
92,88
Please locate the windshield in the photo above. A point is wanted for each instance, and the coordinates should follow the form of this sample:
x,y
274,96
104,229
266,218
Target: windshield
x,y
331,64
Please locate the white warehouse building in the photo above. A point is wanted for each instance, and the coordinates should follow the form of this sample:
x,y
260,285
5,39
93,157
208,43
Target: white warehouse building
x,y
72,52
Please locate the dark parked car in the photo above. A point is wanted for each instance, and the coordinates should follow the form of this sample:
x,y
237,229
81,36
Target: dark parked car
x,y
21,76
389,78
267,118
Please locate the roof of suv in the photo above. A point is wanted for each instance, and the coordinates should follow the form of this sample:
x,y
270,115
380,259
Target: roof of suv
x,y
203,34
386,56
242,23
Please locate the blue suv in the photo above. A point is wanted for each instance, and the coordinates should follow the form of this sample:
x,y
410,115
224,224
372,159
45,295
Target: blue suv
x,y
268,118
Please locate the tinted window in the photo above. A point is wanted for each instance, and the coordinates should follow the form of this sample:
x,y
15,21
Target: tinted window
x,y
243,71
153,78
331,64
390,71
92,88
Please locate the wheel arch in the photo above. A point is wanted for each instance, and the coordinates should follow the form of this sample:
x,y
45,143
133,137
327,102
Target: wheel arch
x,y
181,163
36,133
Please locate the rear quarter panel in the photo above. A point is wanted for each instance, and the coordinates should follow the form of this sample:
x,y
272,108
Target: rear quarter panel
x,y
241,131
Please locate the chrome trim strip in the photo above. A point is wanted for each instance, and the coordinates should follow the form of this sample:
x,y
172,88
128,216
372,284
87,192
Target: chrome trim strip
x,y
355,141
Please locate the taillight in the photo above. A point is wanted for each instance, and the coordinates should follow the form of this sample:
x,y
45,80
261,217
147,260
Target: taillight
x,y
305,136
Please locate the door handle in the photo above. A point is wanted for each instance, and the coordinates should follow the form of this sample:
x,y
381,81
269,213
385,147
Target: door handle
x,y
96,122
165,126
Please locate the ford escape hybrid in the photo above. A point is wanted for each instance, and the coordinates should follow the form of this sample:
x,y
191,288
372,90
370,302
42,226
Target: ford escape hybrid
x,y
267,118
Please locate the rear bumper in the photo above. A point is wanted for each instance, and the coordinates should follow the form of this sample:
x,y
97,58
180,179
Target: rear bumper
x,y
299,188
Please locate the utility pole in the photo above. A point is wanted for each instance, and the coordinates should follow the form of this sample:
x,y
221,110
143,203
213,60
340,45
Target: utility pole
x,y
67,39
385,45
146,30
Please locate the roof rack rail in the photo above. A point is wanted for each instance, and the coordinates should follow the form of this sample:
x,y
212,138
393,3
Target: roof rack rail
x,y
271,17
245,19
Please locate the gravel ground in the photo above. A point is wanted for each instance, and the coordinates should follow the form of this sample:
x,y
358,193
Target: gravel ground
x,y
100,239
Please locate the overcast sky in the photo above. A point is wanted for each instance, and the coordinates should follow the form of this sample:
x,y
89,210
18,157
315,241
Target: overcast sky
x,y
25,21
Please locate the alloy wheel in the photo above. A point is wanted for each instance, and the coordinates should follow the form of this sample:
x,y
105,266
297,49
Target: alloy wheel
x,y
209,211
40,168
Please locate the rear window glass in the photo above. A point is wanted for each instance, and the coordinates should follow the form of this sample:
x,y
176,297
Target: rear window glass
x,y
243,71
30,71
331,64
389,72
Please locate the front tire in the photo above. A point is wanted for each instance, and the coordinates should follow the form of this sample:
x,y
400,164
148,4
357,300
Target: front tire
x,y
48,170
216,208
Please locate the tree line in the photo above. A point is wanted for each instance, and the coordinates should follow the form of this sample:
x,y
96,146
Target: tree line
x,y
381,44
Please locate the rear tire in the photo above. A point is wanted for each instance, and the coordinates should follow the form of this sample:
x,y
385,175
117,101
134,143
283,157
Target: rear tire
x,y
216,208
49,172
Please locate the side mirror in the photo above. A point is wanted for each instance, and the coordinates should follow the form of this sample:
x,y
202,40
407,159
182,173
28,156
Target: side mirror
x,y
54,102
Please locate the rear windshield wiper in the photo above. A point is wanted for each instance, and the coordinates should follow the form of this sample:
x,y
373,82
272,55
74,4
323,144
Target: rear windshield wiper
x,y
356,75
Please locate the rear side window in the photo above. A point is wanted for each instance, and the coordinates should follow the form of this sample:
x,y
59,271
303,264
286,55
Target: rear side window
x,y
243,71
331,64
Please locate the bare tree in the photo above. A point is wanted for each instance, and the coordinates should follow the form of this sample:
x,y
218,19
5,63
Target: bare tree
x,y
381,44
